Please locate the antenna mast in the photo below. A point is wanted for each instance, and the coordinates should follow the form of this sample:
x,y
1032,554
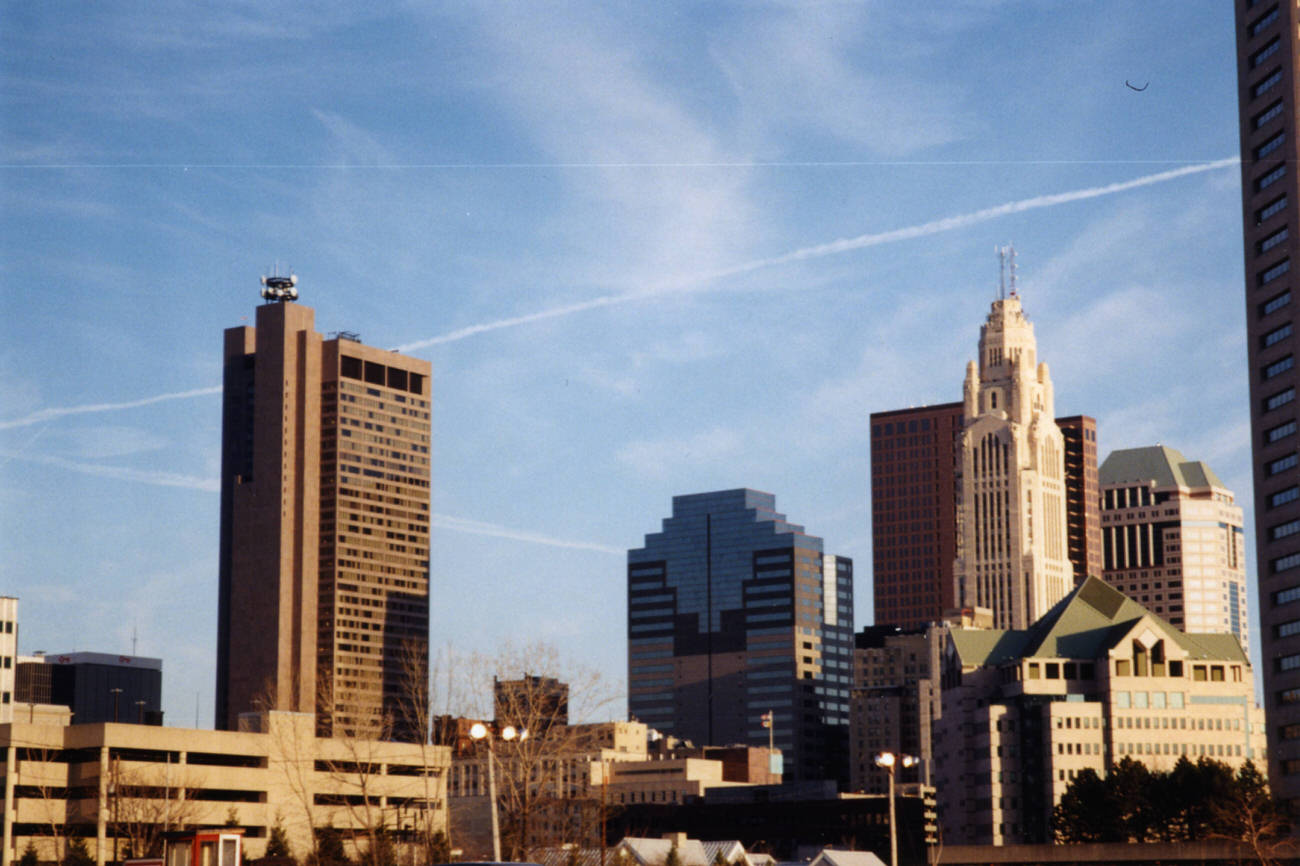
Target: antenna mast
x,y
1006,267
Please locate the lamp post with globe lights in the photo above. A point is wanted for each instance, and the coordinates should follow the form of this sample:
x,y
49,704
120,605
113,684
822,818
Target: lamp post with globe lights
x,y
890,761
481,731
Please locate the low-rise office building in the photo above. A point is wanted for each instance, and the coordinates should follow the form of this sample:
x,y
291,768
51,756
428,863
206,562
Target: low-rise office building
x,y
1099,678
119,786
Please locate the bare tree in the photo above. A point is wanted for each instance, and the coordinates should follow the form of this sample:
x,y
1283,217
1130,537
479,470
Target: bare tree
x,y
354,757
43,777
543,778
146,802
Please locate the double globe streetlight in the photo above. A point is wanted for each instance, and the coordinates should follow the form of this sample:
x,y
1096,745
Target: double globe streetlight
x,y
480,731
889,761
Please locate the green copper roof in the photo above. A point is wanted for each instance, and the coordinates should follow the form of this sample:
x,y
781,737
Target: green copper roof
x,y
1084,625
1166,466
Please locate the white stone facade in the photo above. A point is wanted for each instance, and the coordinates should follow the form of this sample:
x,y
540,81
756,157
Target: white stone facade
x,y
1012,544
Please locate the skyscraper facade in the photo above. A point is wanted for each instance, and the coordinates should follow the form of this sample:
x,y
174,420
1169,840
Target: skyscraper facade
x,y
323,602
914,513
1082,508
733,612
1174,539
1267,46
1012,535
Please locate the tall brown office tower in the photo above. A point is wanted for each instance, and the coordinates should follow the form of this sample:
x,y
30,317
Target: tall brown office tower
x,y
323,601
914,513
1270,155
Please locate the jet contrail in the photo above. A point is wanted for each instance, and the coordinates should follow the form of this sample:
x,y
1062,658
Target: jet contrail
x,y
51,414
474,527
213,485
699,282
122,473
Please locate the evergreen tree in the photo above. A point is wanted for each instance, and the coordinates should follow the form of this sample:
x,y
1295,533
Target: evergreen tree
x,y
278,843
76,854
1087,811
29,855
329,848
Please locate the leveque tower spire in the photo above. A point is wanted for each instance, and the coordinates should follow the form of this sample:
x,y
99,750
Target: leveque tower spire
x,y
1012,545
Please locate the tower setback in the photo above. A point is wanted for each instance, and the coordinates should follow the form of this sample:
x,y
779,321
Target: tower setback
x,y
323,602
733,613
1013,535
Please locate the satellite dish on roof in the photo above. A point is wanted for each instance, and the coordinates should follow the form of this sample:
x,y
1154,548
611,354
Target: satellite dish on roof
x,y
281,288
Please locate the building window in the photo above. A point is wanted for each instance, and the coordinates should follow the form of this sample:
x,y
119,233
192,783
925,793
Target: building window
x,y
1276,206
1267,84
1278,367
1280,432
1288,663
1264,22
1286,563
1282,530
1271,178
1267,276
1281,398
1273,240
1287,629
1277,335
1288,696
1265,53
1282,497
1283,463
1275,303
1269,114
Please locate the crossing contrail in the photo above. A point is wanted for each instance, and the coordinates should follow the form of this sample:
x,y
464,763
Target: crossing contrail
x,y
51,414
700,282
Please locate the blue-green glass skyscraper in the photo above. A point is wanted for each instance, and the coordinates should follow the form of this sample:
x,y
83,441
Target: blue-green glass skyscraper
x,y
734,612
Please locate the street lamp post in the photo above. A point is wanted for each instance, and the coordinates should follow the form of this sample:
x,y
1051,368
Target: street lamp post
x,y
481,731
116,693
889,761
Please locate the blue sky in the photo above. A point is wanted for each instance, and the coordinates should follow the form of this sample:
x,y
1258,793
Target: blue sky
x,y
612,230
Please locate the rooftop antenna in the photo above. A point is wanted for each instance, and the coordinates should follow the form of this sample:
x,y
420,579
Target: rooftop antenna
x,y
135,635
1006,268
1002,272
278,287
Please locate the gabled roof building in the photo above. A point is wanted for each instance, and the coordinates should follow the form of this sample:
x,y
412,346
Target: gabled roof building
x,y
1097,679
1173,539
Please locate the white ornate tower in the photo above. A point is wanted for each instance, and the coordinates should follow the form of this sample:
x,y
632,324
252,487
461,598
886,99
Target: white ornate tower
x,y
1012,548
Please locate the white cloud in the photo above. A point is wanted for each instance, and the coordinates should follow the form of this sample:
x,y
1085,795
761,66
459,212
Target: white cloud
x,y
798,69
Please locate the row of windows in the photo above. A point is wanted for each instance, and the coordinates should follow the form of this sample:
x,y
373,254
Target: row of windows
x,y
1281,398
1269,114
1282,497
1264,21
1275,336
1214,749
1272,273
1267,84
1280,432
1263,54
1283,463
1276,206
1272,177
